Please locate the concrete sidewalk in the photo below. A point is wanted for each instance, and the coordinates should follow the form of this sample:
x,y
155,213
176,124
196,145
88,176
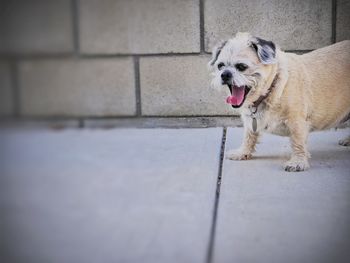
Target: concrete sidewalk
x,y
165,195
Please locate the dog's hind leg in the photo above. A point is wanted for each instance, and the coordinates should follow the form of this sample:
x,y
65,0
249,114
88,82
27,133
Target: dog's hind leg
x,y
345,121
345,142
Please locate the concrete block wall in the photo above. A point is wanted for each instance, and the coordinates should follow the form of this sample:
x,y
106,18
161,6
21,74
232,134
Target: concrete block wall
x,y
133,58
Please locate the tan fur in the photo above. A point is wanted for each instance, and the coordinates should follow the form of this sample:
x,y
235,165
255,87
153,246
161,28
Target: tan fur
x,y
312,93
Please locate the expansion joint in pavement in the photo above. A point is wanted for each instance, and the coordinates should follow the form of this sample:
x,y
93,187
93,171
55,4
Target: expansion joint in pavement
x,y
210,250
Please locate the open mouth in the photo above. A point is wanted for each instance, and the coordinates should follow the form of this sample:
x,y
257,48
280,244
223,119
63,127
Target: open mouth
x,y
238,95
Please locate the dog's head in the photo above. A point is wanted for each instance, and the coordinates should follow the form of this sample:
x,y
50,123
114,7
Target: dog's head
x,y
244,64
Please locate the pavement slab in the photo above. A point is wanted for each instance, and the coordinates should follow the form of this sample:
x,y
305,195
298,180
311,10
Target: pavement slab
x,y
118,195
268,215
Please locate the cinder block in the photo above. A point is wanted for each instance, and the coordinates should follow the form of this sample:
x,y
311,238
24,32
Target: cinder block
x,y
179,86
36,26
88,87
133,26
294,25
6,93
343,20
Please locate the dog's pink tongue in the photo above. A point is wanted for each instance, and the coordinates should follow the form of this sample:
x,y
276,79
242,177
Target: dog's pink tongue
x,y
237,96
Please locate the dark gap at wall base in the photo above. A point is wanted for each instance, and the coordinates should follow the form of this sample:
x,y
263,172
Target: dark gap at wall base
x,y
125,122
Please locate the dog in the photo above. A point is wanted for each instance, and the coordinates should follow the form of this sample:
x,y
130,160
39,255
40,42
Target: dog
x,y
283,93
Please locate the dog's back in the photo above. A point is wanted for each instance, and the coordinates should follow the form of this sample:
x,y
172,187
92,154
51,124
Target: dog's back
x,y
328,73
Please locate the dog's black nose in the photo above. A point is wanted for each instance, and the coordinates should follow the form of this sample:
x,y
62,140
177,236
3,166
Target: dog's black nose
x,y
226,76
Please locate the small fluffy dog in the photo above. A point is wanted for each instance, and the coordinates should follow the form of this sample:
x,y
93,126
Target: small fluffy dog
x,y
283,93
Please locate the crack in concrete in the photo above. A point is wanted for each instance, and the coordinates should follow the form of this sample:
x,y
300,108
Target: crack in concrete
x,y
210,251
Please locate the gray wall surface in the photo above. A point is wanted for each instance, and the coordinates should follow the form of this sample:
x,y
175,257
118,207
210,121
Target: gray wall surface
x,y
118,58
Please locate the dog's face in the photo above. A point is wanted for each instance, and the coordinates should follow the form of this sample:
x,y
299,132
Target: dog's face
x,y
244,64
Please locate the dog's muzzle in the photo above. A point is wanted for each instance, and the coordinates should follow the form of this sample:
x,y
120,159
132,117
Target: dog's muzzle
x,y
226,77
238,93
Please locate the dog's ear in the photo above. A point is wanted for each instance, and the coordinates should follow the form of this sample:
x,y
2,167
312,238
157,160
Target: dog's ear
x,y
266,50
216,52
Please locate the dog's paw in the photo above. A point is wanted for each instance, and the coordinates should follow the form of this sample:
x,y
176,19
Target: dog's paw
x,y
296,165
345,142
238,155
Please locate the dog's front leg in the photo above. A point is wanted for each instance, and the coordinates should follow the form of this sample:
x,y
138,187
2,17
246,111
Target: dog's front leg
x,y
247,148
298,135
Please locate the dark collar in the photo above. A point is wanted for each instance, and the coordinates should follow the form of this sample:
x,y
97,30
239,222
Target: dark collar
x,y
255,105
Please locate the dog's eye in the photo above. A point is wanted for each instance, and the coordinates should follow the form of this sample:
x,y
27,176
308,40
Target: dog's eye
x,y
221,65
241,66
